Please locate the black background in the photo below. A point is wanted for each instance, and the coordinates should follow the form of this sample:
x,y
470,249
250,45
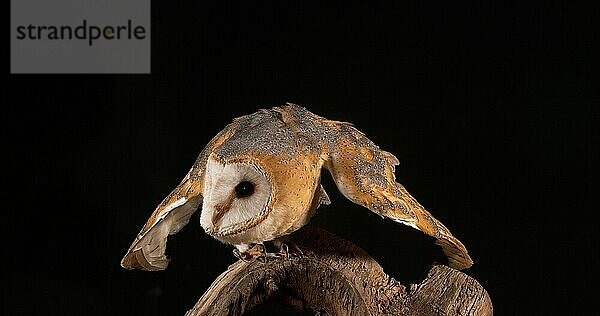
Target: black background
x,y
487,107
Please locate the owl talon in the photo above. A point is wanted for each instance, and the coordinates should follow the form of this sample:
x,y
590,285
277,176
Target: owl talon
x,y
288,248
242,256
284,250
294,249
262,259
251,254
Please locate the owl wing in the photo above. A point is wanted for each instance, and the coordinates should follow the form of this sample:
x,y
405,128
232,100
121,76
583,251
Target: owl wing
x,y
365,175
147,252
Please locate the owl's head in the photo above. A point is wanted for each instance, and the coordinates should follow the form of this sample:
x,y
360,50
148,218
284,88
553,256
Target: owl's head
x,y
236,193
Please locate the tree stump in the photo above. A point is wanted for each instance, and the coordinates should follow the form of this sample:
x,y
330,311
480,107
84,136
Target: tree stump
x,y
335,277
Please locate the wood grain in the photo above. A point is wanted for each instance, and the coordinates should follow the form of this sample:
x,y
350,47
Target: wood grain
x,y
335,277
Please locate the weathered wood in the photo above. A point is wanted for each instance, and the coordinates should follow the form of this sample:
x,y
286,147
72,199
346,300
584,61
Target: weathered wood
x,y
335,277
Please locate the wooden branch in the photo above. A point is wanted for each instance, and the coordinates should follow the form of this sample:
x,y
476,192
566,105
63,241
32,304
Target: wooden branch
x,y
335,277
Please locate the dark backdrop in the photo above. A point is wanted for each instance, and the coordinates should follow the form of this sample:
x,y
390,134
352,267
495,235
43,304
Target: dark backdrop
x,y
487,107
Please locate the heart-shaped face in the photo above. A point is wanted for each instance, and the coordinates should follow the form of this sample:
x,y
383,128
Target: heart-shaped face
x,y
234,194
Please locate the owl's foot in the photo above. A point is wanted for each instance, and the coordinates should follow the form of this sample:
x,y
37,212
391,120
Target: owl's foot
x,y
251,254
287,247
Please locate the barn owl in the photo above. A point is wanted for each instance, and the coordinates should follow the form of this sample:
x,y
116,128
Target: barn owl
x,y
259,180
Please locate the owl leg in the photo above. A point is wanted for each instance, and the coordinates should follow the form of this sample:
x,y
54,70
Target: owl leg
x,y
247,254
239,252
286,246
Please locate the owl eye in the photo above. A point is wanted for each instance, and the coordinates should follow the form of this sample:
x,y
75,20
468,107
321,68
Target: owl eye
x,y
244,189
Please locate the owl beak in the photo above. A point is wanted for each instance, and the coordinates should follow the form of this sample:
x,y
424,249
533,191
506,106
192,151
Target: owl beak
x,y
218,215
221,210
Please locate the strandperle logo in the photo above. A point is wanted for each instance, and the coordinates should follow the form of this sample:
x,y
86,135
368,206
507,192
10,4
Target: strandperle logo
x,y
90,33
80,36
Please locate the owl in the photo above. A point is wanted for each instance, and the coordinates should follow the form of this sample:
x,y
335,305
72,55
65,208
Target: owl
x,y
259,179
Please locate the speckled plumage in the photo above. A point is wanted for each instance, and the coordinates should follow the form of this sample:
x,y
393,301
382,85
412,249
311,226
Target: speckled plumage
x,y
291,145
